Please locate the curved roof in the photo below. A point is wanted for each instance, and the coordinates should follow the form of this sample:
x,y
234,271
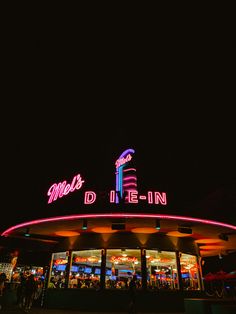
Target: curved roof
x,y
212,237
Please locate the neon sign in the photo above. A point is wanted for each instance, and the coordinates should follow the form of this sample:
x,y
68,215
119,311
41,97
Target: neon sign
x,y
152,197
126,186
123,160
120,259
63,188
125,175
91,259
60,261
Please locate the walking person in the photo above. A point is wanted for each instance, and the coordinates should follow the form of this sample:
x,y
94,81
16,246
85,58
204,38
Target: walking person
x,y
132,295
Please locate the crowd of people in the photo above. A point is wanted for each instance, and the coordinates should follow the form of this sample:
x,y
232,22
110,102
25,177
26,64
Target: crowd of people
x,y
28,290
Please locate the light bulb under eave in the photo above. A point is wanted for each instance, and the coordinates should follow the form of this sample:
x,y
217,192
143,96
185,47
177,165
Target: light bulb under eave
x,y
85,224
158,224
27,234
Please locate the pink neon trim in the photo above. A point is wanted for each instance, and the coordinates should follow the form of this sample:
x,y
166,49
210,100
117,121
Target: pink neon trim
x,y
112,196
160,198
130,178
117,215
142,197
89,197
129,169
150,197
128,184
132,197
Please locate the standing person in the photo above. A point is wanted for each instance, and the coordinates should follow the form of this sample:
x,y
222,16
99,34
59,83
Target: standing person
x,y
30,290
21,291
3,278
132,295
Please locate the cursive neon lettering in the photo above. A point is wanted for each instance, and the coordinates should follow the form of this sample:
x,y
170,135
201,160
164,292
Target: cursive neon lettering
x,y
123,160
67,189
62,188
72,187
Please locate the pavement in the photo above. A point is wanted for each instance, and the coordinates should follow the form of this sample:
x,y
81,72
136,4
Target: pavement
x,y
51,311
55,311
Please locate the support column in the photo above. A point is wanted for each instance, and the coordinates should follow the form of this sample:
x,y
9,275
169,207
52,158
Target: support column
x,y
103,269
178,254
199,272
144,268
68,267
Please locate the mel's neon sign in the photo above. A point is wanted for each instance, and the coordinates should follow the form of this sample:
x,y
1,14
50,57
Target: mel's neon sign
x,y
58,190
123,160
126,186
63,188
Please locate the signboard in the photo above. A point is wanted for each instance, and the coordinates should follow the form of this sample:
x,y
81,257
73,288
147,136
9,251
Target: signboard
x,y
126,186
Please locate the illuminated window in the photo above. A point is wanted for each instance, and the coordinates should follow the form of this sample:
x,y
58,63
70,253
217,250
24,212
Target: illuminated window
x,y
121,266
161,270
85,270
58,270
189,272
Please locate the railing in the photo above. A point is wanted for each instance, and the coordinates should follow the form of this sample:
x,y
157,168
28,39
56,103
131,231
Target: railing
x,y
220,289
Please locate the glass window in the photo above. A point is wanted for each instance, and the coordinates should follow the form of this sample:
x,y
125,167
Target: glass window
x,y
189,272
121,265
85,269
161,270
58,270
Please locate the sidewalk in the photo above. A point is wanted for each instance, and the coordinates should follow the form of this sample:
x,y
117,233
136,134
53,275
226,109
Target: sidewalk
x,y
50,311
45,311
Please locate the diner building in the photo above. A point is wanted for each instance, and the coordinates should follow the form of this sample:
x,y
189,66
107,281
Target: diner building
x,y
94,253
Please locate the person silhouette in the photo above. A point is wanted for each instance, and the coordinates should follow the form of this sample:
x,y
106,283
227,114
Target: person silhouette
x,y
132,295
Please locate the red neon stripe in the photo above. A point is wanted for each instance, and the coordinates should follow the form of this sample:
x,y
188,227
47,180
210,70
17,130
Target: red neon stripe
x,y
130,178
129,169
117,215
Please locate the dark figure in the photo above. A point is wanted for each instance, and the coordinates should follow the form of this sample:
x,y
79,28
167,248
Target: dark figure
x,y
21,291
30,290
132,295
3,279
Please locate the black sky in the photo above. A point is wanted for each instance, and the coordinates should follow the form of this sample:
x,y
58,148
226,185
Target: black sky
x,y
72,108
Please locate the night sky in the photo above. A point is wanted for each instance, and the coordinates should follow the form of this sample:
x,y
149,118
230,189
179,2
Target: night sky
x,y
196,167
67,113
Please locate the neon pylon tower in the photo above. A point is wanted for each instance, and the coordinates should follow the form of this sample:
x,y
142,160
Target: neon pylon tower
x,y
126,179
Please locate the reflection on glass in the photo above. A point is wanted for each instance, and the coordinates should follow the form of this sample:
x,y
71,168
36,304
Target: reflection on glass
x,y
58,270
161,270
85,269
189,272
121,265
